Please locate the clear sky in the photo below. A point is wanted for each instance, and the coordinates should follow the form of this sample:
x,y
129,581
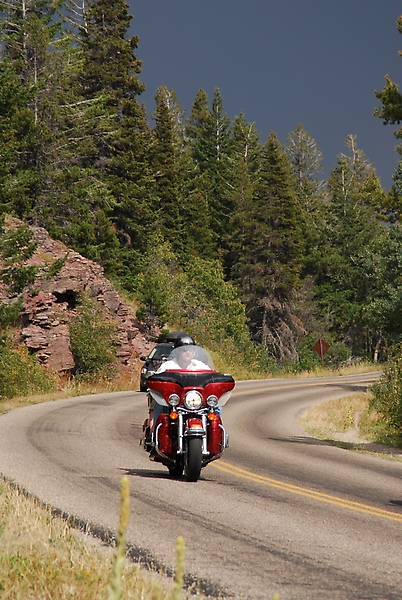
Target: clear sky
x,y
281,62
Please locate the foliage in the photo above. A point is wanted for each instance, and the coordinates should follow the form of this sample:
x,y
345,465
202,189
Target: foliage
x,y
165,206
16,248
269,264
10,313
308,359
195,297
20,373
93,335
158,285
208,138
352,224
387,395
337,354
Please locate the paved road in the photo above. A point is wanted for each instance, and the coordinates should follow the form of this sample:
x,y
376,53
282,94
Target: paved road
x,y
281,511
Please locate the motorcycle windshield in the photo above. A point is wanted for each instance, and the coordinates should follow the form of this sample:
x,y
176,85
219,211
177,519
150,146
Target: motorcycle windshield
x,y
188,358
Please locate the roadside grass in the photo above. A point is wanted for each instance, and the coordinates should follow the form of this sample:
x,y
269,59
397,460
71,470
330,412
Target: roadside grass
x,y
77,387
42,557
349,422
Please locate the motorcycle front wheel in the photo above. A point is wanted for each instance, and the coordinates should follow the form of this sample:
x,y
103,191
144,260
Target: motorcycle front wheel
x,y
194,459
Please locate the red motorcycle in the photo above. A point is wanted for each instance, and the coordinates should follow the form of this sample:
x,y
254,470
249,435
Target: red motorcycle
x,y
187,397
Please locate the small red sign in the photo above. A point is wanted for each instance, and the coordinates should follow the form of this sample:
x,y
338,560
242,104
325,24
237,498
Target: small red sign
x,y
321,347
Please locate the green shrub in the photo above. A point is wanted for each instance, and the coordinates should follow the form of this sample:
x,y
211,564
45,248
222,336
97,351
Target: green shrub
x,y
20,373
10,313
337,353
308,358
93,336
387,396
200,301
15,248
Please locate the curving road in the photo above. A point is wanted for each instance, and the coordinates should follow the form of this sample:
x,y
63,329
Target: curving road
x,y
281,511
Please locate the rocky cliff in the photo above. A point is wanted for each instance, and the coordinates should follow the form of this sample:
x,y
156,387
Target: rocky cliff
x,y
49,304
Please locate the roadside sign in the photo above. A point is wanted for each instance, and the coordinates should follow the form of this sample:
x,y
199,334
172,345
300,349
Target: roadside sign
x,y
321,347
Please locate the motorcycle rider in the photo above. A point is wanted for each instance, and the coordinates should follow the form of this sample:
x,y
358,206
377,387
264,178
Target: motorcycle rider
x,y
185,358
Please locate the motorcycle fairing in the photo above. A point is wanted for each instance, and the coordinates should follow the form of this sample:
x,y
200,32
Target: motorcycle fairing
x,y
162,385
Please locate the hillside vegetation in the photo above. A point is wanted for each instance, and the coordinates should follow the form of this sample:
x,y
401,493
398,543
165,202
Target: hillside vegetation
x,y
204,225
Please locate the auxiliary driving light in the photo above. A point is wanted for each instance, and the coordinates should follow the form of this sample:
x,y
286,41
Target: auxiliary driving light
x,y
174,399
212,401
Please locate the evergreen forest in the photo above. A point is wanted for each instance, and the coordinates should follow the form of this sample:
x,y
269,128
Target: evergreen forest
x,y
237,239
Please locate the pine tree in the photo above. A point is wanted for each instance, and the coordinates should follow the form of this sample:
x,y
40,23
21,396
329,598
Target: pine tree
x,y
121,133
245,152
208,138
353,224
307,163
18,177
164,163
110,65
218,168
183,215
268,269
30,33
351,209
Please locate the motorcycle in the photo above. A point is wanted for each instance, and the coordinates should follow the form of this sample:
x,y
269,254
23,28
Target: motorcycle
x,y
187,397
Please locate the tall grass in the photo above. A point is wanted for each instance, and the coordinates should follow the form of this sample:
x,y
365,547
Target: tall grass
x,y
42,557
179,573
115,590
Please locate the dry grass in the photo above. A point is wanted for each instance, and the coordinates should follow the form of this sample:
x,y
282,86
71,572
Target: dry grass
x,y
123,382
41,557
348,419
335,416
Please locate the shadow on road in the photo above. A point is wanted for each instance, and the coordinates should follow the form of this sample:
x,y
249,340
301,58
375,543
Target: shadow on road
x,y
147,473
372,447
300,439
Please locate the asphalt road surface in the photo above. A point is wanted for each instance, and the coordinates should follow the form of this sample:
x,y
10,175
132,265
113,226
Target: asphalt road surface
x,y
280,512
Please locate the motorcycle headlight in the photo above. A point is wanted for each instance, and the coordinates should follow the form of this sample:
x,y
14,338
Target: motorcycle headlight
x,y
174,399
193,400
212,401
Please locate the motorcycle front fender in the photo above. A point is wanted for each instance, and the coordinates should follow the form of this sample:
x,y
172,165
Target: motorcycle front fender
x,y
194,428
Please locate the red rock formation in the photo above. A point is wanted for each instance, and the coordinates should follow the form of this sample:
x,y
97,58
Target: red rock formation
x,y
49,306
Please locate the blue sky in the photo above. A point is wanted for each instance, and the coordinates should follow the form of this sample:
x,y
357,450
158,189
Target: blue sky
x,y
281,62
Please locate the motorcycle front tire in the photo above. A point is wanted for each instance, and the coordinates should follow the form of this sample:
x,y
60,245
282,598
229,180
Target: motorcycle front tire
x,y
194,459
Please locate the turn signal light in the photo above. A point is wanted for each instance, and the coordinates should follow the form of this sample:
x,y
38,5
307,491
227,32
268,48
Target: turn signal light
x,y
173,415
212,416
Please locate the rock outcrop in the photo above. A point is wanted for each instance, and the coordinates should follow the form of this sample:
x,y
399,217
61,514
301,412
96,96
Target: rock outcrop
x,y
51,302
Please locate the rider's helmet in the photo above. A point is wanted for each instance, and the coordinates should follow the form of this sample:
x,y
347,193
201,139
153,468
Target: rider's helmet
x,y
185,340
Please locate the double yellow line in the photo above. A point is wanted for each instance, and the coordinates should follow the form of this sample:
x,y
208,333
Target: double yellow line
x,y
301,491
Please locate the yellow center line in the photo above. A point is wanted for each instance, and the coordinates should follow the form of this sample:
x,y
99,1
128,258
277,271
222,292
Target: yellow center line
x,y
307,492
